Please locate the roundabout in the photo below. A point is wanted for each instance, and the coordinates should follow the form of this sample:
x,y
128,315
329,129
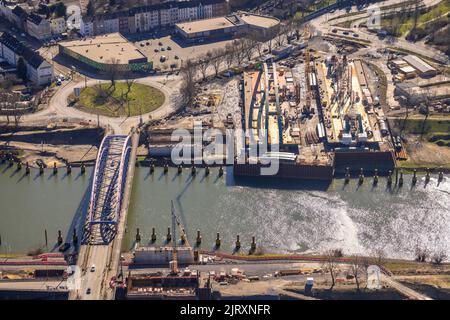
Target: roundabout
x,y
118,99
58,107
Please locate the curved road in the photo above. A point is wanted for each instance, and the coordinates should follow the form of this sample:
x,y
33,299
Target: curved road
x,y
324,25
58,107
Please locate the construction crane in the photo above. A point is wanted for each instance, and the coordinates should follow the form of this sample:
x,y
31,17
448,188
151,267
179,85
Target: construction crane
x,y
176,222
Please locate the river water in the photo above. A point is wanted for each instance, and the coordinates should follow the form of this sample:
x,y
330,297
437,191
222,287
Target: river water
x,y
291,216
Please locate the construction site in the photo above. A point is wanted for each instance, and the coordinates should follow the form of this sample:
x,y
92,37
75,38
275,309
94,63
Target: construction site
x,y
320,114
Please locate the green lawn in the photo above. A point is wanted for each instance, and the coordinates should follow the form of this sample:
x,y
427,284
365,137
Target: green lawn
x,y
430,126
407,24
315,7
142,99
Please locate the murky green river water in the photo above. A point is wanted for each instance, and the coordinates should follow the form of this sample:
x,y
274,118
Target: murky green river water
x,y
284,217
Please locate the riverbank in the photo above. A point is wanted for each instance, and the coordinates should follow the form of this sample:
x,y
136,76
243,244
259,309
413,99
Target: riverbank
x,y
54,144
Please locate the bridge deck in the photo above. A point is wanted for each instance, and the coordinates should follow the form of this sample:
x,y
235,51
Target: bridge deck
x,y
107,189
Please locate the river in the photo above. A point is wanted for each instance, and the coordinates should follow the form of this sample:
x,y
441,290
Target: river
x,y
302,217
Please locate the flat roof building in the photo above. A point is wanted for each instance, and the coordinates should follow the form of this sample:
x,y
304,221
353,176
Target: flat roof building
x,y
104,52
206,28
231,25
408,71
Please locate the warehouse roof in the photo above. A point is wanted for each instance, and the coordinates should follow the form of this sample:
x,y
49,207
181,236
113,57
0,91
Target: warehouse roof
x,y
205,25
407,69
418,64
105,49
259,20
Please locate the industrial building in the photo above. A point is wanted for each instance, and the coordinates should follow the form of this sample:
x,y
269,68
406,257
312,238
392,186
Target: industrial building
x,y
162,256
423,69
106,52
240,23
208,28
414,94
158,286
411,66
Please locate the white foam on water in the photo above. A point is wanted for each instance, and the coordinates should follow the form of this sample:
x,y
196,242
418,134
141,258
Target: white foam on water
x,y
295,221
315,221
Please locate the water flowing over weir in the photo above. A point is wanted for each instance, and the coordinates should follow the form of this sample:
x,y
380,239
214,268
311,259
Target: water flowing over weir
x,y
284,217
294,216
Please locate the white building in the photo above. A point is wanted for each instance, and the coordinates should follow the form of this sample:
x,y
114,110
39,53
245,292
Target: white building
x,y
168,16
6,10
38,27
187,14
39,71
145,21
87,27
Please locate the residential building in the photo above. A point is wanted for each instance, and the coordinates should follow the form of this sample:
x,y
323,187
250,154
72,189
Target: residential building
x,y
19,17
39,71
38,27
6,10
58,26
154,16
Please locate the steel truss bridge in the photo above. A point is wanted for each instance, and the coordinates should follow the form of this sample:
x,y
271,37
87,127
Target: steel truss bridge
x,y
108,186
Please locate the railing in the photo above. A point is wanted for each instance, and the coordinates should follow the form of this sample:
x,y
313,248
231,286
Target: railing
x,y
115,188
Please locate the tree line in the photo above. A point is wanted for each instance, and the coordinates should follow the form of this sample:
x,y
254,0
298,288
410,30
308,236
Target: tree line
x,y
249,48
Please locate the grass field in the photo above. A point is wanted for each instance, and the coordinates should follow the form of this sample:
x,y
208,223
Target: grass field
x,y
427,144
422,126
406,25
142,99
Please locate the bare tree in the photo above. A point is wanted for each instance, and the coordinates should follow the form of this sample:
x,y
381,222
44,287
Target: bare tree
x,y
259,45
218,57
125,97
249,45
330,266
280,35
229,55
188,89
8,103
203,64
422,254
357,269
438,257
380,256
240,47
113,73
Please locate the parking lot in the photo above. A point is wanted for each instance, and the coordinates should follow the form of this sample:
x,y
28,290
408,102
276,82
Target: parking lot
x,y
175,52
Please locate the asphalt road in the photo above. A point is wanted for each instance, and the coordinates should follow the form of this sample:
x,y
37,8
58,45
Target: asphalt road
x,y
324,25
58,107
